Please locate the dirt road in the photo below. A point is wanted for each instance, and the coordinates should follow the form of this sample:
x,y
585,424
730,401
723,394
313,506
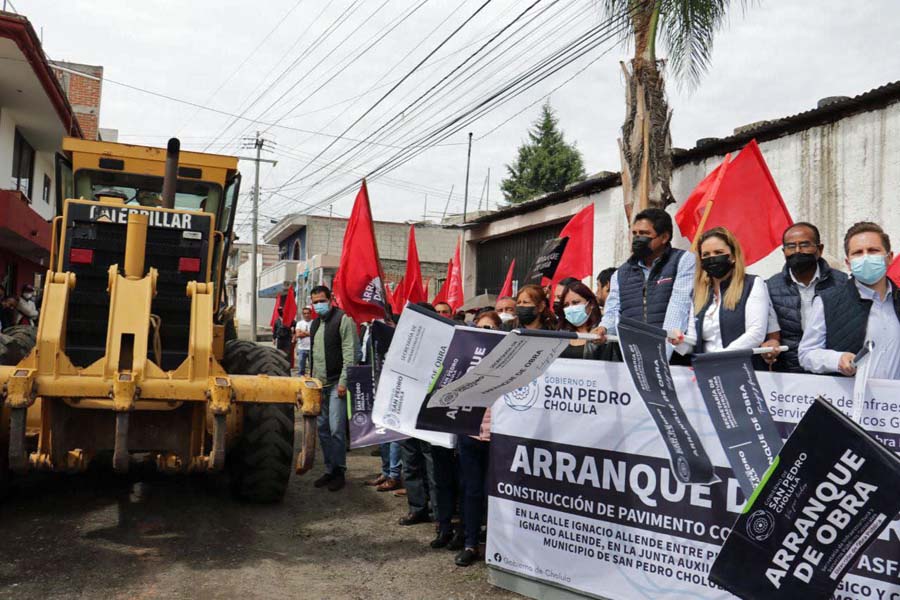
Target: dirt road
x,y
98,536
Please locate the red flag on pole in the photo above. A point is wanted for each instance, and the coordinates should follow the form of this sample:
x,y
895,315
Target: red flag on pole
x,y
442,293
398,297
507,290
425,285
290,307
455,287
358,285
278,300
747,202
413,275
578,257
894,271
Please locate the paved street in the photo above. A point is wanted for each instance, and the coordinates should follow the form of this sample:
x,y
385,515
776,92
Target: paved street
x,y
94,536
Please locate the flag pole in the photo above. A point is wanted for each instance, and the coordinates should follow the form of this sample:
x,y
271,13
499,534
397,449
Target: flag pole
x,y
710,198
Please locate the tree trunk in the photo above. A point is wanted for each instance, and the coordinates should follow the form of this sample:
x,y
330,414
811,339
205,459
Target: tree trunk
x,y
646,144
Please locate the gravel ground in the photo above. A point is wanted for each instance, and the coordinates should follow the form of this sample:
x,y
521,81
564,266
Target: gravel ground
x,y
99,536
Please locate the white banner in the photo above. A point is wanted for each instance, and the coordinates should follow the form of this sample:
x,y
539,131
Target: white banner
x,y
417,352
515,362
581,493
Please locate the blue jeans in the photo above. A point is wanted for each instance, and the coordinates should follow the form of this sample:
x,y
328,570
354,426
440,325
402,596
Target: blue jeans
x,y
333,430
302,356
390,460
473,463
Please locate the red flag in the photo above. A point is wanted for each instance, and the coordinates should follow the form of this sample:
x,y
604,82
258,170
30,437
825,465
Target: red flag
x,y
506,290
413,277
578,258
454,277
425,285
398,297
442,293
893,272
747,202
290,307
358,285
274,318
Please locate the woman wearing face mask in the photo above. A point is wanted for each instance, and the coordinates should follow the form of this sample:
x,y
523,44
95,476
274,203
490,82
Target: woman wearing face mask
x,y
579,311
730,307
533,308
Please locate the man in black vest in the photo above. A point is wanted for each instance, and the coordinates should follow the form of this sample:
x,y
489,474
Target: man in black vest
x,y
334,347
655,285
866,308
804,276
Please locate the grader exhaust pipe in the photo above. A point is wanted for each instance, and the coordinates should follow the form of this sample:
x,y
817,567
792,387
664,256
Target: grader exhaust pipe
x,y
173,149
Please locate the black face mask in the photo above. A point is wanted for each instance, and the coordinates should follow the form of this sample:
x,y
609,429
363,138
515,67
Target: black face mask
x,y
800,262
640,246
526,314
717,266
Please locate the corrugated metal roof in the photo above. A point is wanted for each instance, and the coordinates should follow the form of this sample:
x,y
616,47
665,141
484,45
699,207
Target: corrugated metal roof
x,y
877,98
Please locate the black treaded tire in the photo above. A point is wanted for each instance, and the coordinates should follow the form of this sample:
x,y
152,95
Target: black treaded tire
x,y
261,462
16,343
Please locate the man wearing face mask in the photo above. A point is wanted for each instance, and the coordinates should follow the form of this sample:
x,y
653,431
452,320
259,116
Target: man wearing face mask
x,y
506,310
28,312
791,292
334,345
865,308
655,284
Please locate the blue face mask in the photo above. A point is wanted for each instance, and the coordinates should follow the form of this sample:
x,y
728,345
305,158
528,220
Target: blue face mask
x,y
322,308
869,268
576,314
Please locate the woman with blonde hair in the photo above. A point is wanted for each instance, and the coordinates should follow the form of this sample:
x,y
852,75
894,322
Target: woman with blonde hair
x,y
731,308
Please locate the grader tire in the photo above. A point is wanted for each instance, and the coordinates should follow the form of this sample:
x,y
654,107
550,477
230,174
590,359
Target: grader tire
x,y
16,343
261,462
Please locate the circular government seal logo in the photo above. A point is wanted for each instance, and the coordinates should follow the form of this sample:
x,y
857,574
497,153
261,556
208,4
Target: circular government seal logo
x,y
684,468
522,398
360,419
448,398
760,525
391,421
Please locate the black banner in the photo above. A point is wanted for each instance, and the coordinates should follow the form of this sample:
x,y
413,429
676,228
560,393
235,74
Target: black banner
x,y
547,261
739,413
380,336
360,398
467,348
644,350
829,493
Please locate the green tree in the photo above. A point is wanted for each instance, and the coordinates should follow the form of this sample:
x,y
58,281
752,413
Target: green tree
x,y
546,163
687,29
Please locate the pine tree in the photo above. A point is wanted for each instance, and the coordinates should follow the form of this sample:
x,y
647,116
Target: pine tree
x,y
546,163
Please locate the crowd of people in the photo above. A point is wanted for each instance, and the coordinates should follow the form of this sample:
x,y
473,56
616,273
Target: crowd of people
x,y
703,298
18,310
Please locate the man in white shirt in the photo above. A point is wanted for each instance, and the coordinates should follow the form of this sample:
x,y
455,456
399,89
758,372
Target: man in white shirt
x,y
301,337
866,308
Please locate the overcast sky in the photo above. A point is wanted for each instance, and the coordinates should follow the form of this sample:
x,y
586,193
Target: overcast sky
x,y
776,59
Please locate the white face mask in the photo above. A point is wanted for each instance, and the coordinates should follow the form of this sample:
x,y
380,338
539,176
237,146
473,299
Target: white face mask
x,y
27,296
506,317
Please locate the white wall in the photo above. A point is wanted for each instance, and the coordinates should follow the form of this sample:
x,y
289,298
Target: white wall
x,y
7,139
264,306
44,163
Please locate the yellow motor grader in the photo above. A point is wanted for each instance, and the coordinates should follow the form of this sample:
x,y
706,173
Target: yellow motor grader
x,y
135,357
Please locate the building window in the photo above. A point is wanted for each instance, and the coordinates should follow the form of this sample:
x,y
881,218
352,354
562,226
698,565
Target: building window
x,y
296,252
23,165
46,195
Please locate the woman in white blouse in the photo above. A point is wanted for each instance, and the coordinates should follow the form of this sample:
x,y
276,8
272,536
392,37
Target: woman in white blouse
x,y
731,308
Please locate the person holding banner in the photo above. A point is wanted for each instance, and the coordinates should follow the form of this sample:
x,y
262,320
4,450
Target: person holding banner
x,y
866,308
731,308
580,312
791,293
654,285
334,347
533,308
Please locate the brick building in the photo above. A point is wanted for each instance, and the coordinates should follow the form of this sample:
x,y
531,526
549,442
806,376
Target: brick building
x,y
35,115
83,85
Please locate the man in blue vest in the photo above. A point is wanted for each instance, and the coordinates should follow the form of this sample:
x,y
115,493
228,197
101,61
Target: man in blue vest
x,y
791,293
865,308
655,285
334,346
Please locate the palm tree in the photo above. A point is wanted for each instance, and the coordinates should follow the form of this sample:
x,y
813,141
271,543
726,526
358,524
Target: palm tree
x,y
687,28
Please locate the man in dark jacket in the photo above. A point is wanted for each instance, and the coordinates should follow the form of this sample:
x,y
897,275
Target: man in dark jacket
x,y
334,347
791,293
656,284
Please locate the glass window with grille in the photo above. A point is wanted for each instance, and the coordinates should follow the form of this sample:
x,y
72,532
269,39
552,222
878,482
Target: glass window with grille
x,y
23,165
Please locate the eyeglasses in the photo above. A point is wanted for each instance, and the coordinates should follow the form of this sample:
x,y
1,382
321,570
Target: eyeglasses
x,y
793,246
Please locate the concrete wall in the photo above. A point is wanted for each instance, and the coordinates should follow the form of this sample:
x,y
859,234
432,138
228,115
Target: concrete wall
x,y
264,306
44,163
832,175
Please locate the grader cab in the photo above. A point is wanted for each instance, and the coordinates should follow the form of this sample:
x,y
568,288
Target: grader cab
x,y
135,358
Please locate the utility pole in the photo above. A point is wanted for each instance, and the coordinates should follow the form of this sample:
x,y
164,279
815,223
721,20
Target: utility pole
x,y
258,144
487,202
468,164
425,209
447,204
